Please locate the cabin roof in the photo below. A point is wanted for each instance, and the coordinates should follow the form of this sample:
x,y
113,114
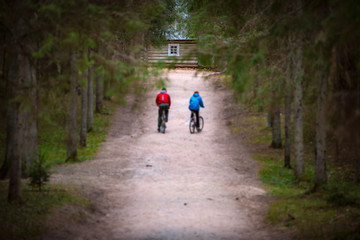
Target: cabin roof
x,y
181,40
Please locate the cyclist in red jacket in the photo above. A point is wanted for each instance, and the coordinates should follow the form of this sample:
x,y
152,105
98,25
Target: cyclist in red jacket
x,y
163,101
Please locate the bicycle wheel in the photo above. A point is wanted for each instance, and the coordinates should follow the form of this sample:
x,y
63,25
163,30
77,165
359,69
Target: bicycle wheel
x,y
192,125
162,126
201,123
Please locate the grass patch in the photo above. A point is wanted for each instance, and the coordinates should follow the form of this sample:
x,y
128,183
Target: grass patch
x,y
253,129
96,137
331,213
26,220
53,139
278,181
314,218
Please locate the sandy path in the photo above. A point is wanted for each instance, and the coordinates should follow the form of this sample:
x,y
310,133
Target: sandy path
x,y
174,185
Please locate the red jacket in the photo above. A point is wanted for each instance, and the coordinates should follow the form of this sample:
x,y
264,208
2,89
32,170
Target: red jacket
x,y
163,97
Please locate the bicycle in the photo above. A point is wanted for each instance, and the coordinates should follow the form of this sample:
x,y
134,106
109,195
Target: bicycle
x,y
163,124
192,123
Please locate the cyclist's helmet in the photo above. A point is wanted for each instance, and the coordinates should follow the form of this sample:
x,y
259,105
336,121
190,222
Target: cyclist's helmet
x,y
196,92
163,89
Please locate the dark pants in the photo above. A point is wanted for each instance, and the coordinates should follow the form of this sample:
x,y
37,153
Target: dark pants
x,y
164,107
197,117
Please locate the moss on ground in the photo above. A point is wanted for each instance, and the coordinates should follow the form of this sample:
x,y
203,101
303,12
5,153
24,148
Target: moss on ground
x,y
27,219
53,139
330,213
250,128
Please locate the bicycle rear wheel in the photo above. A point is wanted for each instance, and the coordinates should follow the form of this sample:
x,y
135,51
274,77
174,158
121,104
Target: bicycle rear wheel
x,y
192,125
162,126
201,123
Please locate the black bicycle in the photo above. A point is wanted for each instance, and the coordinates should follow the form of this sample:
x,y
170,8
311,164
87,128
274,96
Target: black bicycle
x,y
192,123
163,124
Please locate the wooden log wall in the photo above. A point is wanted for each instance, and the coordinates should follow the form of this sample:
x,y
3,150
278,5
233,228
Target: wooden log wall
x,y
186,58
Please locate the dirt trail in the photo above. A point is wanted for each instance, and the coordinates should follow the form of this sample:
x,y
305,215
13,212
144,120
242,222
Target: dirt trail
x,y
170,186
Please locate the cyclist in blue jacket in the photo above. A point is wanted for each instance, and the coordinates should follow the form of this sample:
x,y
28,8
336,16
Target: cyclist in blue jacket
x,y
195,103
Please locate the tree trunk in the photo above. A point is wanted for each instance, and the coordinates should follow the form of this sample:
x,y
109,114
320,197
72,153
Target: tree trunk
x,y
276,129
357,156
18,75
357,138
84,103
30,146
269,118
28,110
90,100
14,122
99,92
4,170
106,85
320,161
299,165
287,153
337,149
21,140
321,122
73,108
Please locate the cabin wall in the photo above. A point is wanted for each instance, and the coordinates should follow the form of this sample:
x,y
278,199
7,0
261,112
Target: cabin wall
x,y
186,54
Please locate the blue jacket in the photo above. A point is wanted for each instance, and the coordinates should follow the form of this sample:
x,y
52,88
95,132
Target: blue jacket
x,y
196,102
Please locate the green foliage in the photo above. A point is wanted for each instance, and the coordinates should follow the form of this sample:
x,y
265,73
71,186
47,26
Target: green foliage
x,y
53,139
39,172
50,8
205,60
330,213
279,180
253,42
315,219
46,47
340,193
108,37
96,137
254,127
28,220
115,33
327,214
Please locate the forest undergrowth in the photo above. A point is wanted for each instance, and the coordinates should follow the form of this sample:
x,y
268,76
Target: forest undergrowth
x,y
26,219
331,213
52,141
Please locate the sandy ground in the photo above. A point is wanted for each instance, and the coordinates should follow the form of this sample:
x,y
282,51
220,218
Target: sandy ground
x,y
177,185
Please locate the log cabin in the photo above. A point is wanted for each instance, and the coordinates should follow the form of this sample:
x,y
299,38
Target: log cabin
x,y
177,53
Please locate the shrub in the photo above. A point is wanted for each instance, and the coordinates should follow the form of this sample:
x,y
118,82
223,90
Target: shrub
x,y
39,172
340,194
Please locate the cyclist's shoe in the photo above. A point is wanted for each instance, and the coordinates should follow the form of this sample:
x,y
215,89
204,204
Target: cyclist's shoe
x,y
158,129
